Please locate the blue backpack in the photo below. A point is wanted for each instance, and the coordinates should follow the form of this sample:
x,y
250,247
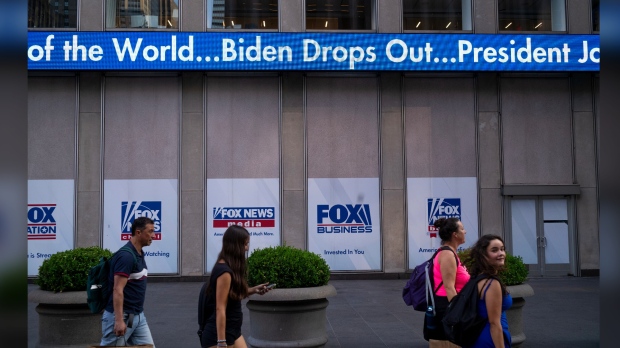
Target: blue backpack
x,y
420,284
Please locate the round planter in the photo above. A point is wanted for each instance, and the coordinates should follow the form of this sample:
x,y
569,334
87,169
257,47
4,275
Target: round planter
x,y
65,319
515,313
289,317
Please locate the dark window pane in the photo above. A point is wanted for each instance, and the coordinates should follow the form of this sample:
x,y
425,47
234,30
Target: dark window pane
x,y
52,14
242,14
339,14
532,15
159,14
437,15
596,17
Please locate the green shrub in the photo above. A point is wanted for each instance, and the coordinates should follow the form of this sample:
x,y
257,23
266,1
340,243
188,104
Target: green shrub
x,y
67,270
287,267
514,272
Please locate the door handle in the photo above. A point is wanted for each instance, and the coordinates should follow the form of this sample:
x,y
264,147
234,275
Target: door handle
x,y
544,241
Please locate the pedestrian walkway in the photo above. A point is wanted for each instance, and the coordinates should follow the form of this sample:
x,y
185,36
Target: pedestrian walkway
x,y
564,312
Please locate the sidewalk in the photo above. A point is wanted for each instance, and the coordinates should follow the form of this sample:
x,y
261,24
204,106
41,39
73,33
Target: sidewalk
x,y
564,312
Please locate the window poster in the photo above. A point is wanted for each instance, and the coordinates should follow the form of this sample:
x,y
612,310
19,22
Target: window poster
x,y
251,203
157,199
344,225
429,199
50,220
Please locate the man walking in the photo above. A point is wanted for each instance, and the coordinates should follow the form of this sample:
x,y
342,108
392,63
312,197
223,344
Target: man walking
x,y
123,321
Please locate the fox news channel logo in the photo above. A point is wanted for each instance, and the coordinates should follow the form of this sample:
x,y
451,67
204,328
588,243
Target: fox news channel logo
x,y
442,208
347,218
223,217
41,221
133,210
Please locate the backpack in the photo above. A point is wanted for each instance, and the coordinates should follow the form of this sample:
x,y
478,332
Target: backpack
x,y
97,283
461,322
205,310
420,284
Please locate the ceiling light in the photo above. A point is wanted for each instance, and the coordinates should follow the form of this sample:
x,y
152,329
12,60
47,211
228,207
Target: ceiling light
x,y
539,24
233,23
448,25
326,24
509,24
418,24
264,24
170,23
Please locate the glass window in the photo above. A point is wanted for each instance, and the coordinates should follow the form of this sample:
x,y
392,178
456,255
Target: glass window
x,y
242,14
339,14
596,17
52,14
437,15
532,15
136,14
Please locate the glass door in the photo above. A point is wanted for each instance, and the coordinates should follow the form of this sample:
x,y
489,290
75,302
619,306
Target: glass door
x,y
541,233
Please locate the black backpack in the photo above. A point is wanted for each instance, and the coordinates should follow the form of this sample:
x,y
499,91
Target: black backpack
x,y
98,284
420,284
461,322
205,310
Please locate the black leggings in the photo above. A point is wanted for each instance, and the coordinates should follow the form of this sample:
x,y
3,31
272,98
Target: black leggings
x,y
441,304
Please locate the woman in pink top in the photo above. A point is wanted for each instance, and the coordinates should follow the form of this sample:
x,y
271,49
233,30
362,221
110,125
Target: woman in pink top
x,y
449,276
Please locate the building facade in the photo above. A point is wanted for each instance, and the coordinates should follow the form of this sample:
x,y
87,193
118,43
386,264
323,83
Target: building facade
x,y
320,153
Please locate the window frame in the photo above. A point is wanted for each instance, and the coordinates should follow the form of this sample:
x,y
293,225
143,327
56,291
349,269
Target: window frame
x,y
462,31
541,32
373,21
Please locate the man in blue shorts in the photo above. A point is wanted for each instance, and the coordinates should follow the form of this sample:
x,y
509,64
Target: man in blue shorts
x,y
123,321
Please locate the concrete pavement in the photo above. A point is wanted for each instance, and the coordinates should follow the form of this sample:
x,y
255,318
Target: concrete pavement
x,y
564,312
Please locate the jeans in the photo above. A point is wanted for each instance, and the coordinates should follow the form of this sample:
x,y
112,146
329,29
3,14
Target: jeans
x,y
139,333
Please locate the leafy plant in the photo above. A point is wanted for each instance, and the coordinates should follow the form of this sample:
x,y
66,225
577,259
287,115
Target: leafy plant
x,y
287,267
514,272
67,270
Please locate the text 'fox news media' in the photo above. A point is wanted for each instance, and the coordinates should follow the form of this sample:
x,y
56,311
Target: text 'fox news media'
x,y
296,51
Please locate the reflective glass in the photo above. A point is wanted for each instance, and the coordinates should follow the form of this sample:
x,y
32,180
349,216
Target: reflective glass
x,y
596,17
139,14
52,14
339,14
242,14
532,15
437,15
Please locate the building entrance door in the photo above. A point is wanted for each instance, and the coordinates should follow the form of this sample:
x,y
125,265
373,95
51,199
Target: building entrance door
x,y
541,232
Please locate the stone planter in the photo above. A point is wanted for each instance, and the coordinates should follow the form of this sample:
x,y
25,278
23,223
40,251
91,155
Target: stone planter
x,y
65,319
289,317
515,313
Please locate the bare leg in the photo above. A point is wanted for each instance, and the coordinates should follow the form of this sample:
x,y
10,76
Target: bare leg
x,y
240,343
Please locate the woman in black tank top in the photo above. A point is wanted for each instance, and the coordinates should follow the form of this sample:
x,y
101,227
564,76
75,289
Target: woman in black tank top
x,y
227,287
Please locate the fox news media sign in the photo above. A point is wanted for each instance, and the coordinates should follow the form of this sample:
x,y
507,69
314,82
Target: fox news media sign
x,y
127,200
311,51
429,199
50,220
251,203
344,223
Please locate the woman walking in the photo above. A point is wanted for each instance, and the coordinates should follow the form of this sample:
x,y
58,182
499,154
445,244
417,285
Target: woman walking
x,y
227,287
449,277
488,255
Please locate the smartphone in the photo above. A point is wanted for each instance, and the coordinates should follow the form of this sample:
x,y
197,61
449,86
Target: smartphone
x,y
270,286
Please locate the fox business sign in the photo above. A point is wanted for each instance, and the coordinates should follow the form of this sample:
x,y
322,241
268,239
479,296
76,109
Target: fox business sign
x,y
247,217
442,208
41,221
135,209
343,218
